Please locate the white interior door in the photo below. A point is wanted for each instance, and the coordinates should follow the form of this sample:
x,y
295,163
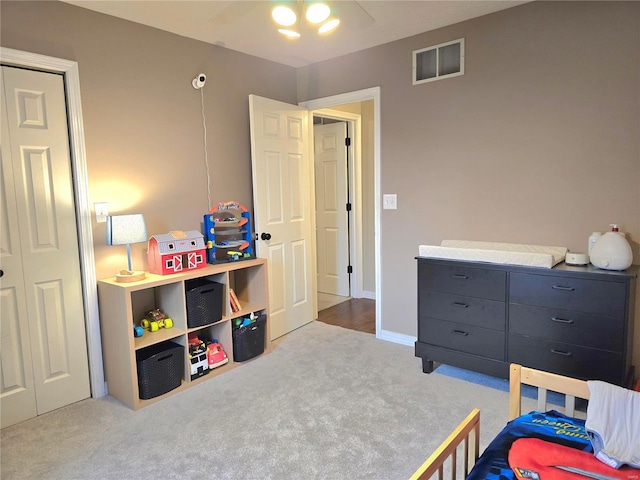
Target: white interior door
x,y
281,170
332,227
44,351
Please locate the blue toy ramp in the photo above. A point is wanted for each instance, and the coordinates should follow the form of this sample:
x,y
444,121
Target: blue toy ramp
x,y
228,233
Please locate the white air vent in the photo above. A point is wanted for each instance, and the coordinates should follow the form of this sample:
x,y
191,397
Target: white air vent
x,y
438,62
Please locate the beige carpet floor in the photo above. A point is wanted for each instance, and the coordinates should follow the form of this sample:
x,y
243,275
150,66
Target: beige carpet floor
x,y
326,403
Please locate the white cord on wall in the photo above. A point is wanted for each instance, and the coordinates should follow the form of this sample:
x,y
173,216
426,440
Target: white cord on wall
x,y
206,156
198,83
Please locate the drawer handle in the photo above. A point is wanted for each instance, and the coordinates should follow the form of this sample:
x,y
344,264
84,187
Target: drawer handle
x,y
561,287
460,304
560,352
561,320
460,332
461,277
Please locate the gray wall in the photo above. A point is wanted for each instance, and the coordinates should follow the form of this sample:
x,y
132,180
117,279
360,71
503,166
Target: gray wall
x,y
537,143
142,118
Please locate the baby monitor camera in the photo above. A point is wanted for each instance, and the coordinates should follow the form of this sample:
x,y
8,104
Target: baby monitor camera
x,y
198,82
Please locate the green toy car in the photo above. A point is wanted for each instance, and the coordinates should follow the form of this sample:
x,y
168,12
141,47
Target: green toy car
x,y
155,319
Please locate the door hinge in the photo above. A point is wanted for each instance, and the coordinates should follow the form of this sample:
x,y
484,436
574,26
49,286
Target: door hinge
x,y
347,141
349,269
349,207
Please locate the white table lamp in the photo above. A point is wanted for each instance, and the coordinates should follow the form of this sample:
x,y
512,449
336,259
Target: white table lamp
x,y
125,230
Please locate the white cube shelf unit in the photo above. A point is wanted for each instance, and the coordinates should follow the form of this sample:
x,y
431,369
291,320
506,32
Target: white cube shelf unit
x,y
123,304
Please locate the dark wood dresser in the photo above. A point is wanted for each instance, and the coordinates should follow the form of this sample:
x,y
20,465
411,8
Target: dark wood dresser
x,y
575,321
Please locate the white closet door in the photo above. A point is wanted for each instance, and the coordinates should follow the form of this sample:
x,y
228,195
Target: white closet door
x,y
18,391
44,351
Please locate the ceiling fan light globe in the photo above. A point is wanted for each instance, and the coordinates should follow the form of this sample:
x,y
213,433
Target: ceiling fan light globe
x,y
289,33
318,12
283,16
329,26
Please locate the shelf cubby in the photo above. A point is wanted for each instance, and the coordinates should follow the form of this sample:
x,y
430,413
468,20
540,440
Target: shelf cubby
x,y
124,304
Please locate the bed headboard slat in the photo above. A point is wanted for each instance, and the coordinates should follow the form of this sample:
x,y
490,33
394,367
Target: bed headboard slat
x,y
570,405
571,387
542,399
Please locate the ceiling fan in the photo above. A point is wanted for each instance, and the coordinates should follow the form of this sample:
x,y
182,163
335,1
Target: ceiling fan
x,y
346,13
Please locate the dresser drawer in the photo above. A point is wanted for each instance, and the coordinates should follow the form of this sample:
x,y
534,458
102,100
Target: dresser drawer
x,y
567,293
467,310
570,360
462,280
577,328
465,338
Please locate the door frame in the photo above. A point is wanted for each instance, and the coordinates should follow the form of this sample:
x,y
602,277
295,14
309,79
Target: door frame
x,y
69,70
354,160
372,93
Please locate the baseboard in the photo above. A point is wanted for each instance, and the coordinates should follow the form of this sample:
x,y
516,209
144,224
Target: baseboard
x,y
394,337
368,294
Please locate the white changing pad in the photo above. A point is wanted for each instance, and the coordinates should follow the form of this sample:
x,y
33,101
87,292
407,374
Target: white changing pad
x,y
493,252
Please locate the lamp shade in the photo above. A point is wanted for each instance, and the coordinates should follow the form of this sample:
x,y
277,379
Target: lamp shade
x,y
126,229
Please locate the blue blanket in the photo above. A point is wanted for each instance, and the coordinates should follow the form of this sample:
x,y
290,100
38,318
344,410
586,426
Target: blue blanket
x,y
551,426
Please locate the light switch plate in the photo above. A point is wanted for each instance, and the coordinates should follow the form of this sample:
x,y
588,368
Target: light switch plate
x,y
102,211
390,201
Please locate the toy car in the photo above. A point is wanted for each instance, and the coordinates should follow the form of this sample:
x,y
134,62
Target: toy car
x,y
216,355
155,319
198,358
233,256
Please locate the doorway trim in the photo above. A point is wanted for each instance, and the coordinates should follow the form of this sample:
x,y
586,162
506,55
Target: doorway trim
x,y
372,93
354,122
69,70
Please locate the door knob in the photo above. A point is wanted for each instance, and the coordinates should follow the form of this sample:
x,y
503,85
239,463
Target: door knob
x,y
265,236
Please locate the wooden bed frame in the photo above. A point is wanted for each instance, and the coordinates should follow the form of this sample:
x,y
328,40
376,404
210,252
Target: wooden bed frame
x,y
467,434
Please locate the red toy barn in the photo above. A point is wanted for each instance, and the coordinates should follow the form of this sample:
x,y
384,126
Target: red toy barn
x,y
176,251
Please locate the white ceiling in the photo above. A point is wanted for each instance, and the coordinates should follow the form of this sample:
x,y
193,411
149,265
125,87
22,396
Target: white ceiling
x,y
246,26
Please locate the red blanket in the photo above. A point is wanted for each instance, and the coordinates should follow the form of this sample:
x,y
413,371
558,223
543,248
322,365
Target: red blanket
x,y
540,460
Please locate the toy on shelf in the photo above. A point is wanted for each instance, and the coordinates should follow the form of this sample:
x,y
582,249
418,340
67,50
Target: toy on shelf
x,y
156,319
245,322
176,251
235,256
138,331
216,356
198,357
228,233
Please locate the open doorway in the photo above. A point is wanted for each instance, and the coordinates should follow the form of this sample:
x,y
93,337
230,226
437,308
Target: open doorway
x,y
345,215
297,230
333,153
